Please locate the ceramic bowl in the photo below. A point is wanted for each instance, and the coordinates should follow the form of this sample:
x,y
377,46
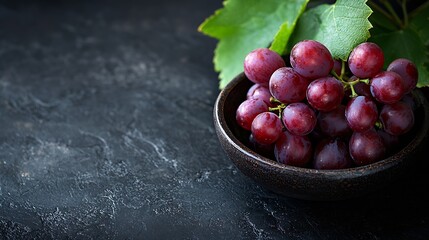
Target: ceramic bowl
x,y
305,183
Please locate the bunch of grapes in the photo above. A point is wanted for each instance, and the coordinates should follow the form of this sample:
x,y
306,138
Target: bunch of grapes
x,y
324,113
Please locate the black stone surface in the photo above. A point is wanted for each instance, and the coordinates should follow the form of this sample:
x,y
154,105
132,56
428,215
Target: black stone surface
x,y
106,133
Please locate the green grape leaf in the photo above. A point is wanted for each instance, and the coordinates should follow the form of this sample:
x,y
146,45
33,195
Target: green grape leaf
x,y
340,26
419,22
381,24
244,25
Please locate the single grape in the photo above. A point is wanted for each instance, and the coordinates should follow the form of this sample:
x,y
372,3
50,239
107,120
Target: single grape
x,y
361,113
334,123
366,147
288,86
387,87
390,142
299,118
266,150
311,59
293,150
325,94
260,63
332,154
366,60
258,91
397,118
407,70
266,128
248,110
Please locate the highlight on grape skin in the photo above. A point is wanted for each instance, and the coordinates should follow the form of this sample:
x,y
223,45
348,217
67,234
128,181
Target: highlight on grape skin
x,y
317,114
311,59
260,64
366,60
287,86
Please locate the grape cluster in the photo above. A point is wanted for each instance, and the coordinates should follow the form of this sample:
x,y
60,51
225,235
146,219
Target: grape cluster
x,y
323,113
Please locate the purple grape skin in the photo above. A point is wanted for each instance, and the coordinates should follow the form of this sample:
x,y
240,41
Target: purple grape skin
x,y
387,87
363,89
366,147
337,67
293,150
409,99
366,60
311,59
260,63
325,94
299,119
316,136
248,110
407,70
266,128
266,150
287,86
397,118
332,154
258,91
334,123
361,113
390,142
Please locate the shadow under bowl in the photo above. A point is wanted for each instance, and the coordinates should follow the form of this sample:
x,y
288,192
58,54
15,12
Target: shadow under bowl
x,y
306,183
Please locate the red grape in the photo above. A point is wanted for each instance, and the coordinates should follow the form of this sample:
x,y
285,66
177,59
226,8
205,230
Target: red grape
x,y
366,147
397,118
287,86
366,60
361,113
407,70
325,94
258,91
337,66
299,118
293,150
266,128
248,110
331,154
387,87
334,123
260,64
311,59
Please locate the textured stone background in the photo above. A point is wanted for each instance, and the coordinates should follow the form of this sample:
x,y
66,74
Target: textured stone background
x,y
106,133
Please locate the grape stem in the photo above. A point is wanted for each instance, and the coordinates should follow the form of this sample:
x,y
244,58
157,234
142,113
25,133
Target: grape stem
x,y
352,88
274,100
380,10
405,12
279,107
351,84
338,77
379,125
343,69
389,8
419,9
